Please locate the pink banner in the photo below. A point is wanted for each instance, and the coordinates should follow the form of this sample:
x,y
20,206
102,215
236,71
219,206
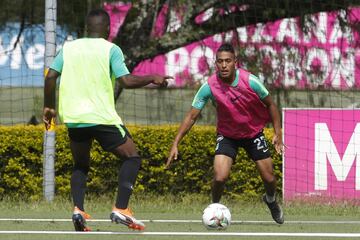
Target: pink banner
x,y
327,55
323,154
117,12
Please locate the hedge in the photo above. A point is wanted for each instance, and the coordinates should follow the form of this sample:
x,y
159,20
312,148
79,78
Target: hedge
x,y
21,164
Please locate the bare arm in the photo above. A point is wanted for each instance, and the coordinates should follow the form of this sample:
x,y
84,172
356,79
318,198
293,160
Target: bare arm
x,y
49,112
185,127
275,116
133,81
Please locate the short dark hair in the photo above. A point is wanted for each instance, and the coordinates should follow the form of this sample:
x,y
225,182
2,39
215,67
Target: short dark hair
x,y
226,47
97,13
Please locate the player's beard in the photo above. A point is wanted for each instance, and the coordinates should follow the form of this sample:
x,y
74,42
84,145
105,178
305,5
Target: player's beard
x,y
228,77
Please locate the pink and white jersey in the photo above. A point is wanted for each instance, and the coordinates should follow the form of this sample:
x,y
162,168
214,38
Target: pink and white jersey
x,y
240,112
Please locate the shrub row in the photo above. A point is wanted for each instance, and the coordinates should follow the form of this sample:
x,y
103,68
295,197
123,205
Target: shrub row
x,y
21,162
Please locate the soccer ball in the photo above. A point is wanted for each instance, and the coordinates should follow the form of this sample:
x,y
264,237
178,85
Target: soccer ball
x,y
216,216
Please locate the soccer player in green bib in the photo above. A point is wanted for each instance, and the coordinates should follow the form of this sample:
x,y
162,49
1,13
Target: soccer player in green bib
x,y
88,68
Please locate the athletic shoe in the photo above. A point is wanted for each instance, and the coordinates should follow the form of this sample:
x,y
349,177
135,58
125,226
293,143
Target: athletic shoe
x,y
79,220
276,211
125,216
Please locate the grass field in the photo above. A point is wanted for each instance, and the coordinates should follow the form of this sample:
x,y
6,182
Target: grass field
x,y
250,216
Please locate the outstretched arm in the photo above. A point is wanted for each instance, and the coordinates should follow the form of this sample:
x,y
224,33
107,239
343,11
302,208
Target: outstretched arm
x,y
185,127
133,81
49,112
275,116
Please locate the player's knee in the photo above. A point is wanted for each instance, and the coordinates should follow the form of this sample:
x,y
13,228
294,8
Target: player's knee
x,y
221,176
220,179
269,178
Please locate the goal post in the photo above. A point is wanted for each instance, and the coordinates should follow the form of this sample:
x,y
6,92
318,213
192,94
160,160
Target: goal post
x,y
49,134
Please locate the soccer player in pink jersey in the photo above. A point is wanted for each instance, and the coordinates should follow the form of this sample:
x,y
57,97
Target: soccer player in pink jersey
x,y
244,106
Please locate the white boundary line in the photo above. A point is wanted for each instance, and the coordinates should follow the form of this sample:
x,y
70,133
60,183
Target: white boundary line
x,y
277,234
176,221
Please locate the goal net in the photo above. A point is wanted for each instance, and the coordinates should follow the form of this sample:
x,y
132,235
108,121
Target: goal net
x,y
309,62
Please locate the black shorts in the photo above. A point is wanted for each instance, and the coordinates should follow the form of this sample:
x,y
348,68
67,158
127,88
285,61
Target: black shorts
x,y
257,147
108,136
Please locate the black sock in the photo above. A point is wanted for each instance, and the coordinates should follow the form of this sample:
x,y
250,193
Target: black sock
x,y
127,177
78,187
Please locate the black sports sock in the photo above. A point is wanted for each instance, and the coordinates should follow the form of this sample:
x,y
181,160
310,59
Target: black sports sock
x,y
78,187
127,177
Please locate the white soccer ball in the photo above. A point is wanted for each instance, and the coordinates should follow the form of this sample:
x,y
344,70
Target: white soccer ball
x,y
216,216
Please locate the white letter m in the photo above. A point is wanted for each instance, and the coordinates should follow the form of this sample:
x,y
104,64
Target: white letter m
x,y
325,149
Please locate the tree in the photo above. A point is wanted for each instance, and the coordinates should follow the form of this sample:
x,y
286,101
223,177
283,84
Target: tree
x,y
139,44
136,36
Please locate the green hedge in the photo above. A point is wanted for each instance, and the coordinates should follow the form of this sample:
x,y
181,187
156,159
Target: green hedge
x,y
21,163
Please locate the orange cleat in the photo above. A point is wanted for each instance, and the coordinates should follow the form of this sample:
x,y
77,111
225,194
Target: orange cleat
x,y
79,220
125,216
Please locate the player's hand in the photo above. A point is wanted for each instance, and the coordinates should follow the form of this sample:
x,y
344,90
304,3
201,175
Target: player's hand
x,y
278,143
49,115
172,156
161,81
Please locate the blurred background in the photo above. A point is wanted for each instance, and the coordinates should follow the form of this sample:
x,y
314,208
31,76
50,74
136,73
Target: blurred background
x,y
307,53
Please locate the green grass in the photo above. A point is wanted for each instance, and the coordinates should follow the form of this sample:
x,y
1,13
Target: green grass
x,y
175,207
